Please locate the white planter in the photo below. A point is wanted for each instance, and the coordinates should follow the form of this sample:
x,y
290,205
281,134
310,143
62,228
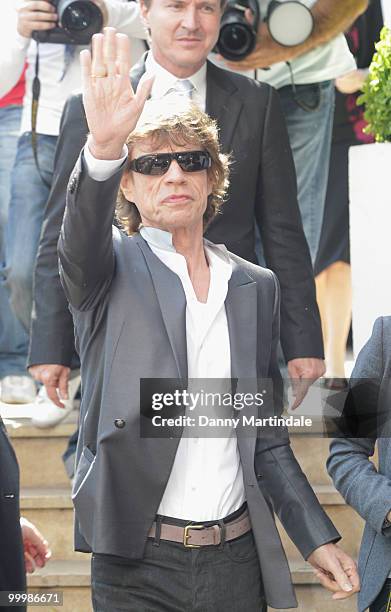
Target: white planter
x,y
370,236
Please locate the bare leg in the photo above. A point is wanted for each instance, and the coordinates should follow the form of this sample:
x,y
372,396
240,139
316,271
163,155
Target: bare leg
x,y
335,304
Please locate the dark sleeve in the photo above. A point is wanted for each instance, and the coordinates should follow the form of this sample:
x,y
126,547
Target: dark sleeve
x,y
282,480
85,246
285,246
52,338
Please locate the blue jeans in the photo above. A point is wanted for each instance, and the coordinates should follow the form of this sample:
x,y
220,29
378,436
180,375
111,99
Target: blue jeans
x,y
309,117
28,200
12,334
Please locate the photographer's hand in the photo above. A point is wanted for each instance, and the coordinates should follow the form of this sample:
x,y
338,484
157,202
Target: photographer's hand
x,y
111,106
36,15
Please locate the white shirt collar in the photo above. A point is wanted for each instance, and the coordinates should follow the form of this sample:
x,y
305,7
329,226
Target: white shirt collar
x,y
164,80
217,254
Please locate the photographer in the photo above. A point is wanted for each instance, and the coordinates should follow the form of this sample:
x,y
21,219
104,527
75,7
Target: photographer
x,y
59,76
304,75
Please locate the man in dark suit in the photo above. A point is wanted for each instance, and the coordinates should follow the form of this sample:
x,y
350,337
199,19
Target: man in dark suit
x,y
162,302
263,190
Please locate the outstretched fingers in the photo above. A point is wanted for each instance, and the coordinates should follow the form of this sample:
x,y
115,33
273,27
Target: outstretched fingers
x,y
85,63
123,60
110,51
98,68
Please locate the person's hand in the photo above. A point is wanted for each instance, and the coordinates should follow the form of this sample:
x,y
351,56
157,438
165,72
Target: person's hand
x,y
303,371
36,548
112,108
351,82
55,378
36,15
336,571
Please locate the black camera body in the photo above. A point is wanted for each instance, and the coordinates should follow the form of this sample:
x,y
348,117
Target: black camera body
x,y
290,23
78,20
237,37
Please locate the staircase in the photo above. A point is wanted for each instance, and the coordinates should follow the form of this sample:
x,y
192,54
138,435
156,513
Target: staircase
x,y
45,500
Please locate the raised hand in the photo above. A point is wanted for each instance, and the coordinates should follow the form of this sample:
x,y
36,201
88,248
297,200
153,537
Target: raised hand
x,y
111,106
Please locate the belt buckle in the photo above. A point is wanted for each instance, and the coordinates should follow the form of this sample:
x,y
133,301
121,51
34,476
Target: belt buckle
x,y
187,535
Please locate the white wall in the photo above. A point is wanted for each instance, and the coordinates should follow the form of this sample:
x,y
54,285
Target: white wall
x,y
370,243
386,8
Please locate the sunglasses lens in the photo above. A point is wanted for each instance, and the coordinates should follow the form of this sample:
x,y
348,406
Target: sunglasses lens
x,y
158,164
193,161
152,164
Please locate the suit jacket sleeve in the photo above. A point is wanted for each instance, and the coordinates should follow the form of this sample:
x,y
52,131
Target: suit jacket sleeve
x,y
51,317
85,246
285,246
282,480
353,474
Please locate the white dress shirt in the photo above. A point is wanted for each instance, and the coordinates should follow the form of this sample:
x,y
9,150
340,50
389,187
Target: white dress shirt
x,y
206,480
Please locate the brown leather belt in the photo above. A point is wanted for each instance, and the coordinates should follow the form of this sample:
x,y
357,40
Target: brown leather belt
x,y
194,536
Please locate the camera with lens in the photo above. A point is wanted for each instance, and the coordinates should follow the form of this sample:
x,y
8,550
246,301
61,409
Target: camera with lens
x,y
237,36
78,20
290,23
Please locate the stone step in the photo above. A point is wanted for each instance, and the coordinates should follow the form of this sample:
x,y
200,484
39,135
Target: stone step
x,y
73,579
39,451
51,510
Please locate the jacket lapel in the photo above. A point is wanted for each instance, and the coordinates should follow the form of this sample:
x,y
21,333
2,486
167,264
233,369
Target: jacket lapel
x,y
172,301
241,309
222,103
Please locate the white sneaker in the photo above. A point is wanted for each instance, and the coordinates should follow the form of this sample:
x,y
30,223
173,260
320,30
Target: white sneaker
x,y
18,390
47,414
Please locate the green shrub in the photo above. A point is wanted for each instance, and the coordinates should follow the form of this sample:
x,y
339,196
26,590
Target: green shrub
x,y
377,90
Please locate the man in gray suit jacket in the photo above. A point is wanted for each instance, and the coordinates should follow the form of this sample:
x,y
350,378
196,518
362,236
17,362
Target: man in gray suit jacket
x,y
365,488
161,302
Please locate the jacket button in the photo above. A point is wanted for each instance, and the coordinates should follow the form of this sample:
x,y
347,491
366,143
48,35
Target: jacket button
x,y
120,423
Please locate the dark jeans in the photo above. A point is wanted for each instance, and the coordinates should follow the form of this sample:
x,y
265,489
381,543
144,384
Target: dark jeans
x,y
172,578
382,602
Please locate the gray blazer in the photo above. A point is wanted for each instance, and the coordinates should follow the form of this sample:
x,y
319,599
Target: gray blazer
x,y
129,315
367,490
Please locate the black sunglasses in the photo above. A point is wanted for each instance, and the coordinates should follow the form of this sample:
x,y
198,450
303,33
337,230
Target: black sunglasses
x,y
159,163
